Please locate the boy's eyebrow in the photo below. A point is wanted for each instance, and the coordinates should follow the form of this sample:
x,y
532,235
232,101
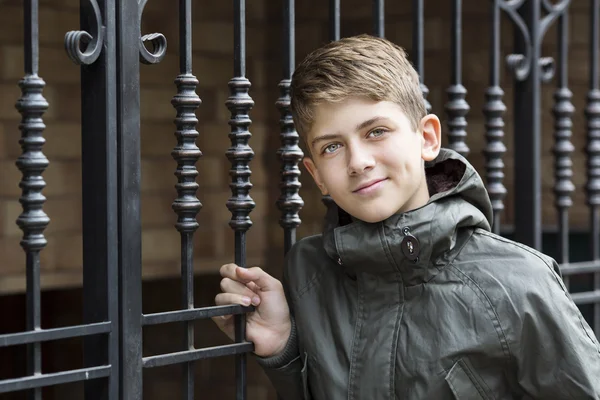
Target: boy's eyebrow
x,y
368,122
322,138
359,127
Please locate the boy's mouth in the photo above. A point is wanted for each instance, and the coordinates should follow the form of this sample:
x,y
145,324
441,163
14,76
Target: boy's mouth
x,y
369,186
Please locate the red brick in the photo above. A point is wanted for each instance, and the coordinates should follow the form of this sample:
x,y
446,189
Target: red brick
x,y
213,37
156,210
9,212
11,21
63,141
3,143
68,251
160,245
63,178
10,177
65,215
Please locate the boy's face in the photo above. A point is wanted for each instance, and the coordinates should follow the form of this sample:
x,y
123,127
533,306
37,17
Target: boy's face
x,y
367,156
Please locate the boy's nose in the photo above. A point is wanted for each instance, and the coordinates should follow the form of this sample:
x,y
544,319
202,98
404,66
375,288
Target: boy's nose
x,y
359,161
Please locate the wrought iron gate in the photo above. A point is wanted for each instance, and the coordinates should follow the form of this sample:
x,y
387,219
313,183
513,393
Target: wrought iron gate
x,y
109,48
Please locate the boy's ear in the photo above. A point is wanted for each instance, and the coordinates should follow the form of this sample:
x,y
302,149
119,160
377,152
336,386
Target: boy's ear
x,y
314,172
431,128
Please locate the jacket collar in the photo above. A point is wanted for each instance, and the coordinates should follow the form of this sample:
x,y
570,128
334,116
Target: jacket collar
x,y
417,243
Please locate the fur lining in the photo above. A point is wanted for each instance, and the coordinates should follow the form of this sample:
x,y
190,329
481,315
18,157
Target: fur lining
x,y
444,175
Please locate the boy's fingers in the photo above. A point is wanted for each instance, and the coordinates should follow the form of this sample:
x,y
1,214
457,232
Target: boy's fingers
x,y
253,286
223,299
231,286
255,274
228,271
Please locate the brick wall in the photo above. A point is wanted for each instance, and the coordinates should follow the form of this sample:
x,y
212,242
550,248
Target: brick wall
x,y
213,49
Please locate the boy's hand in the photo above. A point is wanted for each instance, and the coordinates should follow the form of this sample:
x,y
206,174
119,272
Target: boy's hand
x,y
269,326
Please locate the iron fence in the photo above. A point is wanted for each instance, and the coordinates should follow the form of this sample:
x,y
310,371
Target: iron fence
x,y
110,88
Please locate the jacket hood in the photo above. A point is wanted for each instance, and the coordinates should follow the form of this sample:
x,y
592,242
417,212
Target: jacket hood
x,y
419,242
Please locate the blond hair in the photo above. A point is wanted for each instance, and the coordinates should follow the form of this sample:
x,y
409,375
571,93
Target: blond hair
x,y
374,67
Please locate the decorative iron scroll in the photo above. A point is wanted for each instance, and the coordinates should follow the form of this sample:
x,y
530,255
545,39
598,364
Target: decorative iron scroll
x,y
158,41
520,64
74,40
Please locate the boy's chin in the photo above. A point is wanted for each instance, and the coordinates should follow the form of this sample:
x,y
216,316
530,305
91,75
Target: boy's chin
x,y
372,217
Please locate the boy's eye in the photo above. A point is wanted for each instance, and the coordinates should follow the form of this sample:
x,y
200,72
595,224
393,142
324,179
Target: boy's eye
x,y
377,132
331,148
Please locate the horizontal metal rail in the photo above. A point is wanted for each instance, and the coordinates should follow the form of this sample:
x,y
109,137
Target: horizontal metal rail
x,y
44,335
586,267
193,314
200,354
37,381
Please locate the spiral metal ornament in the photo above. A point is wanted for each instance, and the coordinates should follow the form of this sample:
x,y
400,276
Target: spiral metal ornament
x,y
92,43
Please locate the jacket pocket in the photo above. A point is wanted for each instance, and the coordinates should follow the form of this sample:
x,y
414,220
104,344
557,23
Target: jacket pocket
x,y
465,384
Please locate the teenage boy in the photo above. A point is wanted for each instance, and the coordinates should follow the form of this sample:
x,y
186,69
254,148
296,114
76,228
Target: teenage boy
x,y
406,294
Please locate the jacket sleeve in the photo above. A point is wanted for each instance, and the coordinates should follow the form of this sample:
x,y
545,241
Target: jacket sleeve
x,y
556,351
287,371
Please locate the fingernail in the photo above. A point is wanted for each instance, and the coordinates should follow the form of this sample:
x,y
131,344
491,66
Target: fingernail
x,y
246,301
256,300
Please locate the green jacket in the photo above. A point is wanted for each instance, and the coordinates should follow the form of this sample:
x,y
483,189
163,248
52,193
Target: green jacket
x,y
429,304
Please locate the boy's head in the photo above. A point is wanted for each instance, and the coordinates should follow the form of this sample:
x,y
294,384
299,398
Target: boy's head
x,y
358,106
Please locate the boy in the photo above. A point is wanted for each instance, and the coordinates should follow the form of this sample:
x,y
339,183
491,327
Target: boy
x,y
406,294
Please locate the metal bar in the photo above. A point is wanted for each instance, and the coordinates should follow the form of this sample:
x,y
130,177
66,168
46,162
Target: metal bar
x,y
240,154
45,335
587,267
193,314
130,257
289,201
186,153
418,47
586,298
199,354
99,199
32,163
563,110
334,20
592,112
457,107
379,18
527,122
58,378
494,110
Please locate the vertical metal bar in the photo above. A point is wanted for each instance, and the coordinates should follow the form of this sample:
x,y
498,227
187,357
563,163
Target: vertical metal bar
x,y
563,110
493,110
186,153
129,225
592,113
290,153
334,19
240,154
457,107
418,19
99,201
379,18
32,163
527,123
